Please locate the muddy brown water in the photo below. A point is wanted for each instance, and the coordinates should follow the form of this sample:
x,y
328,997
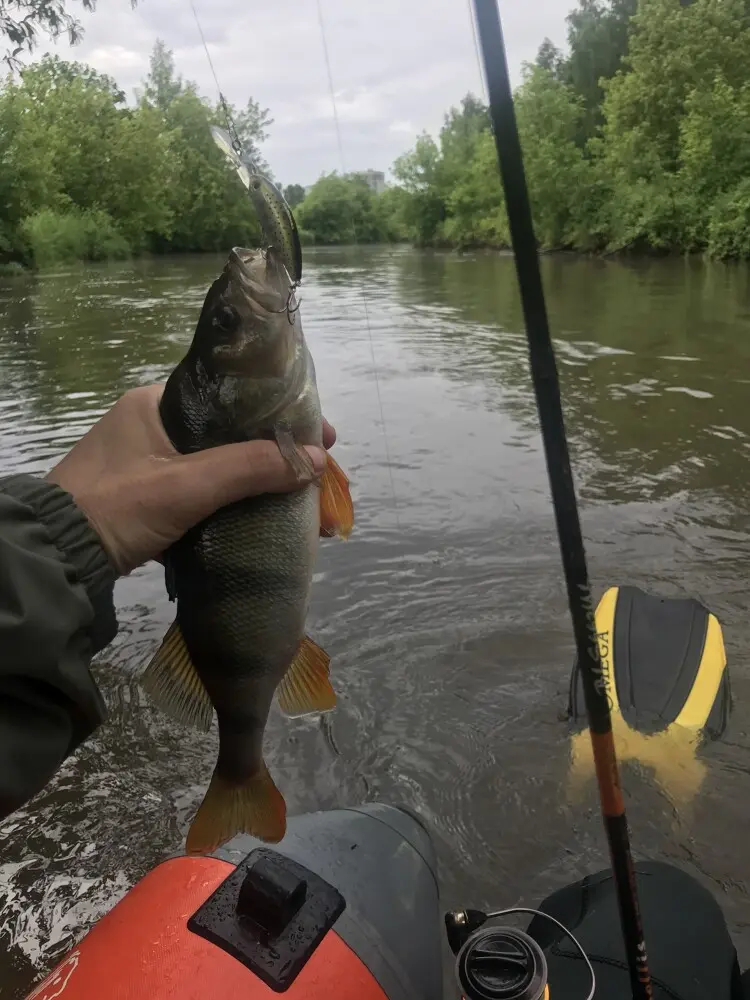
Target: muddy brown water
x,y
445,613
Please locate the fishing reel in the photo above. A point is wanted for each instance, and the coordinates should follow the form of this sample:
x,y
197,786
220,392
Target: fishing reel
x,y
498,962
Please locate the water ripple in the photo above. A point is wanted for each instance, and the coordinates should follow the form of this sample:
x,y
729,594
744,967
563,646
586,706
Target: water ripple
x,y
446,613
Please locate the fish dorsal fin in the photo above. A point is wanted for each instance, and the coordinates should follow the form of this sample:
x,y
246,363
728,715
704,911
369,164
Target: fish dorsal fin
x,y
173,684
306,688
336,507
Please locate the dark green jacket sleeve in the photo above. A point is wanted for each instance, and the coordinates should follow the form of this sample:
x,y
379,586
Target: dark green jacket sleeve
x,y
56,611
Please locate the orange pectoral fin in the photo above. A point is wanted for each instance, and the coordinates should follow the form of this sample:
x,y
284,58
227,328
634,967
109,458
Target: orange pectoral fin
x,y
336,507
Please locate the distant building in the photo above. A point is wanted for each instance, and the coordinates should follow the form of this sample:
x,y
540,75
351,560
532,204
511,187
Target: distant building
x,y
375,180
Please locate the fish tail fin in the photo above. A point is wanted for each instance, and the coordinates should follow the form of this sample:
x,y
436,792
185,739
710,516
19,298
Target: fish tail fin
x,y
336,506
256,807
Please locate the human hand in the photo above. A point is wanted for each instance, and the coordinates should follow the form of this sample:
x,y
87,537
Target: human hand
x,y
141,495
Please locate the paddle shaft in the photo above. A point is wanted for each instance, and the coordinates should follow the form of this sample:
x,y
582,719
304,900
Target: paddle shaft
x,y
547,390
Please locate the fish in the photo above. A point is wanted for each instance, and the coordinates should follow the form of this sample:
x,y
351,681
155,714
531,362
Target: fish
x,y
274,214
242,577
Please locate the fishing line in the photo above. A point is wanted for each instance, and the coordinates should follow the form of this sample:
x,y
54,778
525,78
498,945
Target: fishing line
x,y
549,405
473,22
363,292
231,127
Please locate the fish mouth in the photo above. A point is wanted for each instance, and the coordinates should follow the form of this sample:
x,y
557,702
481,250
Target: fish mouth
x,y
260,337
245,262
240,259
260,278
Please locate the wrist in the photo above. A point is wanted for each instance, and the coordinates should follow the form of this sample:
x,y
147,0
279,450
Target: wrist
x,y
78,544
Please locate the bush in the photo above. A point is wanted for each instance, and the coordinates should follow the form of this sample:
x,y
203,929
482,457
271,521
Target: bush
x,y
10,268
56,238
729,223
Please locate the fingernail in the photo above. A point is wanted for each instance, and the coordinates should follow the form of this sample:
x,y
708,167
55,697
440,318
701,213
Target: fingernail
x,y
319,459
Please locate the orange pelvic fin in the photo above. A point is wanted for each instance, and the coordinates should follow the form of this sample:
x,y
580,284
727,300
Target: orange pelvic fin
x,y
336,507
305,688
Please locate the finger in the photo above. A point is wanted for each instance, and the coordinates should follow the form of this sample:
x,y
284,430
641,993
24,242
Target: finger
x,y
329,434
201,483
155,389
159,439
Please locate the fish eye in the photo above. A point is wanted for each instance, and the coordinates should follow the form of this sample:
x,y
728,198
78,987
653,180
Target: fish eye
x,y
226,318
256,184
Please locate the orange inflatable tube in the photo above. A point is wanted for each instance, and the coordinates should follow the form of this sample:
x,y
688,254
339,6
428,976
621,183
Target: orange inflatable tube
x,y
142,950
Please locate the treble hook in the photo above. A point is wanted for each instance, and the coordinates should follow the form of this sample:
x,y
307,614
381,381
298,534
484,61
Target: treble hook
x,y
288,308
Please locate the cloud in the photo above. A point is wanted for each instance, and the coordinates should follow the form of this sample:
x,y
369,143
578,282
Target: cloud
x,y
396,67
118,61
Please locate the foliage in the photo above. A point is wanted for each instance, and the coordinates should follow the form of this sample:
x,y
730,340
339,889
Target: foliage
x,y
294,195
207,205
456,197
638,136
598,40
342,210
22,20
74,155
88,234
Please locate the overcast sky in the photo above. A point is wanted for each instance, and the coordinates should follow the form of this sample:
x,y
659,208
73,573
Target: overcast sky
x,y
397,65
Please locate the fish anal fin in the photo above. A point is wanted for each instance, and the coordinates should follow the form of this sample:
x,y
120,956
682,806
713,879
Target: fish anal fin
x,y
255,807
306,687
173,684
336,507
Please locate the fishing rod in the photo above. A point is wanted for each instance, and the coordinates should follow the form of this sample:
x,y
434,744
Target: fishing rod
x,y
547,390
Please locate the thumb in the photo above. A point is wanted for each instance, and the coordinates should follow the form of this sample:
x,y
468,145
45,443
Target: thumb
x,y
219,476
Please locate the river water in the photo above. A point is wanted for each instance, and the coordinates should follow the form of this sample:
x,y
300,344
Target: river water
x,y
445,613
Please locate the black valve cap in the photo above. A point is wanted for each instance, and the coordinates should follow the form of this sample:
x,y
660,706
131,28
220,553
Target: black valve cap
x,y
501,963
270,895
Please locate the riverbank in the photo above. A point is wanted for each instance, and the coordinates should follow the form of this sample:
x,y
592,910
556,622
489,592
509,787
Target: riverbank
x,y
17,268
643,155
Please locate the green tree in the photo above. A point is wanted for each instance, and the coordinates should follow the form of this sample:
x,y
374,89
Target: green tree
x,y
418,173
70,146
654,109
551,58
638,136
22,20
103,154
27,180
441,178
341,210
598,35
83,174
392,206
562,185
598,39
474,206
294,195
714,162
207,202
